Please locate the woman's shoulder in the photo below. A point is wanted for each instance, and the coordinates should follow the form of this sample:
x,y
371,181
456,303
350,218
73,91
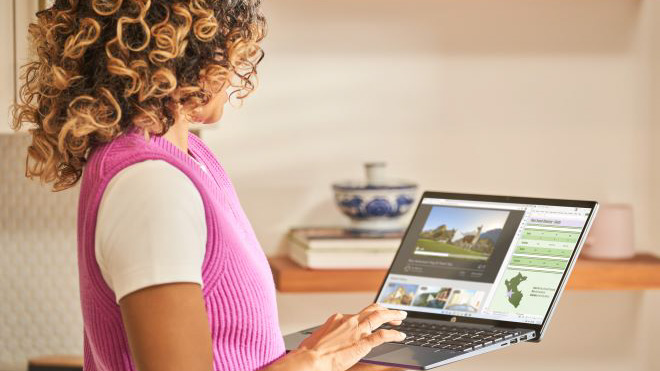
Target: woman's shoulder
x,y
126,150
150,228
104,156
152,182
147,173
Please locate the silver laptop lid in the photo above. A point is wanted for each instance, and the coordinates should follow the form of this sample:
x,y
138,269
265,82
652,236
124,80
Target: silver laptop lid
x,y
487,259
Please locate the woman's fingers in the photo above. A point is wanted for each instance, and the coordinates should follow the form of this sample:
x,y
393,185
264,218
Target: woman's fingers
x,y
335,317
344,339
373,307
383,336
374,319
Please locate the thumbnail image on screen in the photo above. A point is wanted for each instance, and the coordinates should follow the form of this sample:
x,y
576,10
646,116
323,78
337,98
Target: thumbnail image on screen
x,y
432,297
449,298
465,300
398,293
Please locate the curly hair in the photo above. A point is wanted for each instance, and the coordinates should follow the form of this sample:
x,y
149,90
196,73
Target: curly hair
x,y
103,66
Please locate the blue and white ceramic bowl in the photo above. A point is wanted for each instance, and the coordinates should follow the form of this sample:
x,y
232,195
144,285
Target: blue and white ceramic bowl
x,y
375,207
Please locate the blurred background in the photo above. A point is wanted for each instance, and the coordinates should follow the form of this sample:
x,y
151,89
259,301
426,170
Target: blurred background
x,y
549,98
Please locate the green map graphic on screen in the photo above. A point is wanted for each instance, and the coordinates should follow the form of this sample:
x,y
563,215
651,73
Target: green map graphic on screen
x,y
525,291
513,293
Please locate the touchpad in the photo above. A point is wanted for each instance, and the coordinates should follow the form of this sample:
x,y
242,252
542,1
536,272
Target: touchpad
x,y
383,349
406,355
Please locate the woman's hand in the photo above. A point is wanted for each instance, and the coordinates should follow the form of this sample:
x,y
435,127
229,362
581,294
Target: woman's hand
x,y
343,340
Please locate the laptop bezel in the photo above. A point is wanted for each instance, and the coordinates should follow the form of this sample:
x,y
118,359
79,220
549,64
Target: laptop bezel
x,y
538,328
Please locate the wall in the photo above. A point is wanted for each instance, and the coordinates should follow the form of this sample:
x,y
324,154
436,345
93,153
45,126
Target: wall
x,y
654,88
548,98
39,302
508,97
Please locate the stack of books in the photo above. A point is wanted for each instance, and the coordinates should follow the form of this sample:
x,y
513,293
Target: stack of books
x,y
339,248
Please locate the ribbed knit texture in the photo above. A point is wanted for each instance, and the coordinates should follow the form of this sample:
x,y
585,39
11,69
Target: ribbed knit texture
x,y
238,287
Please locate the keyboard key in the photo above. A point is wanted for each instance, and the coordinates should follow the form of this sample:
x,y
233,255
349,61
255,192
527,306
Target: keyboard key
x,y
450,337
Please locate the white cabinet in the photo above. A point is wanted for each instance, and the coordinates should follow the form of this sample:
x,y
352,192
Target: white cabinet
x,y
7,63
15,16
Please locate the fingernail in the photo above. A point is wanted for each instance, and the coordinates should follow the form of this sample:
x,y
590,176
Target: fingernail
x,y
403,314
402,335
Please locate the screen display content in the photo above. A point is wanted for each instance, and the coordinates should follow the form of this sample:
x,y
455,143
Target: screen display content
x,y
481,259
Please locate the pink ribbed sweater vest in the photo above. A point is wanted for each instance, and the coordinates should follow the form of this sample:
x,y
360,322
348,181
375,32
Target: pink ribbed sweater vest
x,y
238,287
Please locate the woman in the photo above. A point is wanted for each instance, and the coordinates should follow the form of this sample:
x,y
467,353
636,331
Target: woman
x,y
171,274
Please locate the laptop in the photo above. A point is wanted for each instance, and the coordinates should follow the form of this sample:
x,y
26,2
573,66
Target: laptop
x,y
477,273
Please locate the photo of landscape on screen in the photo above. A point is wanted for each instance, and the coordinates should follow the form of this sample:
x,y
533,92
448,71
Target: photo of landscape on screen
x,y
449,298
432,297
399,293
456,233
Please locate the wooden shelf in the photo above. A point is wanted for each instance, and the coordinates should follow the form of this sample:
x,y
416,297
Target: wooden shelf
x,y
639,273
290,277
56,363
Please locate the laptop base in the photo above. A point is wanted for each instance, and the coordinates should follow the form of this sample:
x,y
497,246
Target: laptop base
x,y
417,357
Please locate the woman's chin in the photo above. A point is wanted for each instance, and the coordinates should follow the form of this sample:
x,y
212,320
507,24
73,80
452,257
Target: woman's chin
x,y
215,118
210,121
214,121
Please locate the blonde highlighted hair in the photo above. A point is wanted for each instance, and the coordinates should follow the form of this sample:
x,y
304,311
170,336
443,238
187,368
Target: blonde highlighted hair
x,y
103,66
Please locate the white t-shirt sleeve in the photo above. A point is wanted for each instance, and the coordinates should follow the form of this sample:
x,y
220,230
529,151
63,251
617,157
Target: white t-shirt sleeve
x,y
150,229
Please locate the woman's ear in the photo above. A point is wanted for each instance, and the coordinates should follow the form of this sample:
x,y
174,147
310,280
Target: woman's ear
x,y
195,116
179,109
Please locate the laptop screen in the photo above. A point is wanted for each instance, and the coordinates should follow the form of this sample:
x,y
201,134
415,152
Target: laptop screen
x,y
490,260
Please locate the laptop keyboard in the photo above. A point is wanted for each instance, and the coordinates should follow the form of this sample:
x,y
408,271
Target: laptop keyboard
x,y
450,337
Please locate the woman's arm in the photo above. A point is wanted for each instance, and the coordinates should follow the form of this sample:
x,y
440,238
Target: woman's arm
x,y
167,328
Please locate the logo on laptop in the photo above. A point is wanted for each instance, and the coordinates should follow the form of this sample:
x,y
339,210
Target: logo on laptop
x,y
452,319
